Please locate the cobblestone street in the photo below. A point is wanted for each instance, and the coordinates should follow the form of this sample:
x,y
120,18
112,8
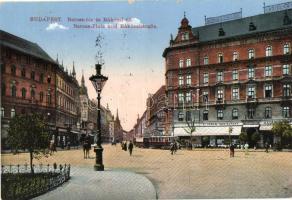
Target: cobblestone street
x,y
192,174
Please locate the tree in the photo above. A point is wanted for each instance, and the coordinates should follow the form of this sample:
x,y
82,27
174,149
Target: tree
x,y
191,128
243,137
28,131
283,130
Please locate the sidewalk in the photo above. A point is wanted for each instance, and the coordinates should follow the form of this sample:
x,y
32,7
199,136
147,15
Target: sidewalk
x,y
87,184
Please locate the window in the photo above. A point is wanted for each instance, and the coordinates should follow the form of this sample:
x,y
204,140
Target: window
x,y
188,97
188,116
235,93
205,96
235,74
268,91
41,96
32,75
220,94
268,51
185,36
220,58
180,80
13,91
251,113
23,93
32,93
13,70
41,77
235,56
251,91
219,114
268,71
268,112
3,89
250,53
220,76
12,113
285,69
205,115
188,62
2,112
181,63
234,113
189,79
206,60
286,49
181,97
206,77
286,112
23,72
251,73
180,116
286,90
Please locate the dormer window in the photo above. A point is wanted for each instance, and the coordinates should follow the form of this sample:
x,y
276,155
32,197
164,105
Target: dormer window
x,y
221,32
252,27
185,36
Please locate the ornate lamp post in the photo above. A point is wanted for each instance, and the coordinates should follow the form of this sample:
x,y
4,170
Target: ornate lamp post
x,y
98,81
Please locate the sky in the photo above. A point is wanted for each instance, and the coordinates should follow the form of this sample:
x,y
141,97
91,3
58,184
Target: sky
x,y
132,57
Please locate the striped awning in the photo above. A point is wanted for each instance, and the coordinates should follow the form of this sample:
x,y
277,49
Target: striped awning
x,y
209,131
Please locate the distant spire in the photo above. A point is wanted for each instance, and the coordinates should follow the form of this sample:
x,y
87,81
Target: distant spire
x,y
117,116
57,60
73,71
82,79
184,14
107,106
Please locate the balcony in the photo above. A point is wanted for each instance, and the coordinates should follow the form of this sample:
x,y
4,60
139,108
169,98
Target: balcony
x,y
286,100
220,103
251,101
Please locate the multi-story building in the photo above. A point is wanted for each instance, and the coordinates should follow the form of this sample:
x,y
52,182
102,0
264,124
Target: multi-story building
x,y
67,106
88,110
156,112
27,81
230,77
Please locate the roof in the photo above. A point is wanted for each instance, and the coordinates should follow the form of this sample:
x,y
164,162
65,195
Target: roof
x,y
263,22
24,46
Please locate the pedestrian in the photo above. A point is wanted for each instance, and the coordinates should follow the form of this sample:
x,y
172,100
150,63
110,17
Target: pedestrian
x,y
231,150
172,148
246,148
125,146
267,147
130,147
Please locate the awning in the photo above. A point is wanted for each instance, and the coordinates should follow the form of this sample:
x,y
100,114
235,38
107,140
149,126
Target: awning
x,y
250,126
266,128
139,139
76,132
209,131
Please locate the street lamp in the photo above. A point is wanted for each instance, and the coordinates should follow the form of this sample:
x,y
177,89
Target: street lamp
x,y
98,81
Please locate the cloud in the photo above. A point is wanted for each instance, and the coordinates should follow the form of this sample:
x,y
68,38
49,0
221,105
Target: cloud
x,y
54,26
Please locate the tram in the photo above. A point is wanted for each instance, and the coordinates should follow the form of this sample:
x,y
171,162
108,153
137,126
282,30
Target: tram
x,y
160,142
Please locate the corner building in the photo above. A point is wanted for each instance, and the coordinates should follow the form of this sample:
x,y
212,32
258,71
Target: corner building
x,y
230,77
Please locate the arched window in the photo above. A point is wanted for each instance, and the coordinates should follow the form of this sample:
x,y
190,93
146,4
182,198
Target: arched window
x,y
41,96
13,70
13,91
32,93
12,114
269,51
286,49
23,72
220,58
23,92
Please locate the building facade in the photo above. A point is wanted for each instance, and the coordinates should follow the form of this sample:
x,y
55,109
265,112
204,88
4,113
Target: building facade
x,y
230,77
28,76
67,107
